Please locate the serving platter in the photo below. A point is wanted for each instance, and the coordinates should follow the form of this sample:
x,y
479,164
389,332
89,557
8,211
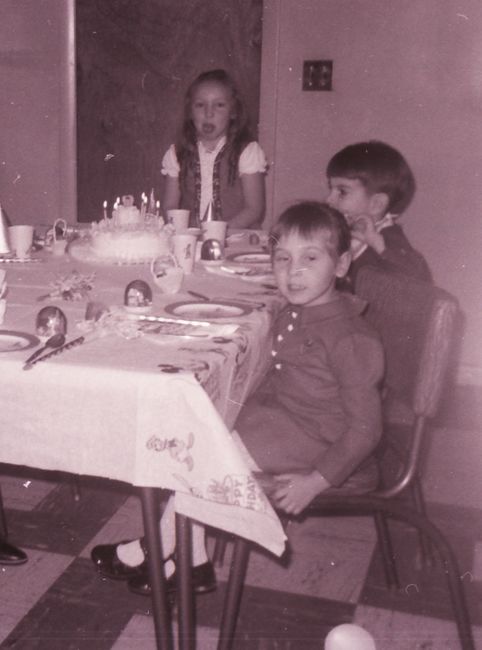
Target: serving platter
x,y
12,341
207,310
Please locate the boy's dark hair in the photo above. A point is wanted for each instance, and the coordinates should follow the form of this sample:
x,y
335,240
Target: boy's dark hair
x,y
239,132
310,217
380,168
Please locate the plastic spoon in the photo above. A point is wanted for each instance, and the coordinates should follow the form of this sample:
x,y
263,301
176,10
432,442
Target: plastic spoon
x,y
53,342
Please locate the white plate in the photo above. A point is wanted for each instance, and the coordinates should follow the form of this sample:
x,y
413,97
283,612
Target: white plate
x,y
253,257
207,310
13,341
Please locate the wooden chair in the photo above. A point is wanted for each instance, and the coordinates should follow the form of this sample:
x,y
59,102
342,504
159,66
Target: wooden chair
x,y
417,323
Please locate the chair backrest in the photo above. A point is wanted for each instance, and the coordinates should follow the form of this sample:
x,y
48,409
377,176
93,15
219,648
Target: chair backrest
x,y
416,322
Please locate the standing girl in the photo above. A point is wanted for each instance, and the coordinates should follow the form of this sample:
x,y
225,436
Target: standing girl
x,y
215,159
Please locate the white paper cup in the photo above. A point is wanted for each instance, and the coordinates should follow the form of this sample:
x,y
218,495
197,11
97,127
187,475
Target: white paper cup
x,y
21,239
214,230
184,248
178,218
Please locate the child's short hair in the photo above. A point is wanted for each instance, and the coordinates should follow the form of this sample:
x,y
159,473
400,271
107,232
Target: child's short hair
x,y
380,168
309,218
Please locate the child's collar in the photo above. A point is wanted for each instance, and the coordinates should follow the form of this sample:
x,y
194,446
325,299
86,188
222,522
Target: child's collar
x,y
358,247
387,220
216,149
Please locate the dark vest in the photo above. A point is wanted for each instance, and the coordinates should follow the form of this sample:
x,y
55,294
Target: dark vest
x,y
227,198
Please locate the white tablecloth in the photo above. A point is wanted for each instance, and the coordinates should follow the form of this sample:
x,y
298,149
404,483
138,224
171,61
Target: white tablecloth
x,y
154,412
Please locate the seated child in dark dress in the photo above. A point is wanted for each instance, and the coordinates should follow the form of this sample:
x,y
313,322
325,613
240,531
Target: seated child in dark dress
x,y
371,184
315,420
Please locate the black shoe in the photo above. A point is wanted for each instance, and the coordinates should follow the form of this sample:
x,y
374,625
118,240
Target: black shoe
x,y
108,564
10,554
203,580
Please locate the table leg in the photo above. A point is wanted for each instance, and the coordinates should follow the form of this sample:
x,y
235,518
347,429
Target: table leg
x,y
185,605
232,602
160,605
3,519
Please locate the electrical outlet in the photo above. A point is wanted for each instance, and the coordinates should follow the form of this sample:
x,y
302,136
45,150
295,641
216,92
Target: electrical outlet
x,y
317,75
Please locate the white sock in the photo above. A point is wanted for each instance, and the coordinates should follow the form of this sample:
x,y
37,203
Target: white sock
x,y
131,553
199,553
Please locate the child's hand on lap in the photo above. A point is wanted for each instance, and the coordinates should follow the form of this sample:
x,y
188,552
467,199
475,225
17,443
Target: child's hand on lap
x,y
296,491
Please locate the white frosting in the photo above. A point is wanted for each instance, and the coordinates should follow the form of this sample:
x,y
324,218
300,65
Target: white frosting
x,y
126,215
128,244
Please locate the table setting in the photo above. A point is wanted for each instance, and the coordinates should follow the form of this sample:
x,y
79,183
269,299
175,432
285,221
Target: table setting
x,y
137,371
166,359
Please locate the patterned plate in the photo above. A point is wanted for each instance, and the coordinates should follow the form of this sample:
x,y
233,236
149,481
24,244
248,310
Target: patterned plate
x,y
207,310
13,341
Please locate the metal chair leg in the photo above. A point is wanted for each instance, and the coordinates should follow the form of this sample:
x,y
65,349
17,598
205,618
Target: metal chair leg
x,y
386,550
450,567
419,503
234,592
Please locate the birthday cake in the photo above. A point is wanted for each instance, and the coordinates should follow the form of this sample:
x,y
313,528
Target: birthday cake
x,y
126,215
127,244
130,236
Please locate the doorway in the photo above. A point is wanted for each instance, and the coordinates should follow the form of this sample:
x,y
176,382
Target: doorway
x,y
134,63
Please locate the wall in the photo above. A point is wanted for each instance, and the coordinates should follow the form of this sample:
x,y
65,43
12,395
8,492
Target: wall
x,y
408,72
37,110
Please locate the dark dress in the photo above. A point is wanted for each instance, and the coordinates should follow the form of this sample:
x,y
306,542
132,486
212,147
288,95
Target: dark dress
x,y
318,407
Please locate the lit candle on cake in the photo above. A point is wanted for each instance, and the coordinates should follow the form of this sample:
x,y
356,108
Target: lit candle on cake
x,y
158,207
143,205
104,205
152,202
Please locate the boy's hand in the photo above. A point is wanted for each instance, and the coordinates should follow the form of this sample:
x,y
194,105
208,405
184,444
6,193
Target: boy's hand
x,y
296,491
364,230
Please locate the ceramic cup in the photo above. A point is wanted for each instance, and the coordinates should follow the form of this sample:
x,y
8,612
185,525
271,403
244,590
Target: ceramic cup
x,y
178,218
21,239
184,248
214,230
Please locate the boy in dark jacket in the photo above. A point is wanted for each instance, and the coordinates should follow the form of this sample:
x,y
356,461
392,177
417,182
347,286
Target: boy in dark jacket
x,y
371,184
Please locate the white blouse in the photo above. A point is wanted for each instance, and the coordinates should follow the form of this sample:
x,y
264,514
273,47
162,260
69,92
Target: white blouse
x,y
251,161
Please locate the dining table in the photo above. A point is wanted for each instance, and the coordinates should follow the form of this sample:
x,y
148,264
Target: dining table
x,y
148,395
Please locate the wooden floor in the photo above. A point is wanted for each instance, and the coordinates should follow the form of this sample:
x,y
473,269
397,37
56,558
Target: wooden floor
x,y
57,601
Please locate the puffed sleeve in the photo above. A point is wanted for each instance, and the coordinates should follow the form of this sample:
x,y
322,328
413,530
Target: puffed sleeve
x,y
170,165
252,160
357,363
